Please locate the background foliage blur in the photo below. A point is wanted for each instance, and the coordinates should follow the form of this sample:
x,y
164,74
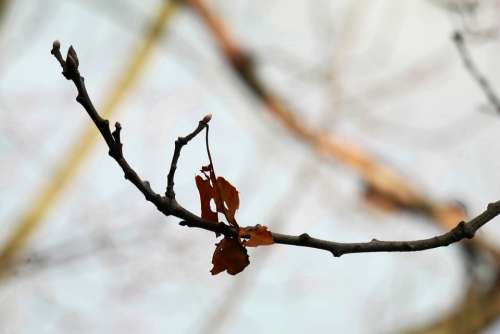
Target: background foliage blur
x,y
87,253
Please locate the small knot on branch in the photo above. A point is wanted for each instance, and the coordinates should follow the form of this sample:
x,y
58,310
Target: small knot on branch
x,y
181,141
466,230
304,237
336,253
147,185
116,133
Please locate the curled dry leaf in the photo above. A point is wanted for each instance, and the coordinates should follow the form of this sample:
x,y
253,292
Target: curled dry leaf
x,y
224,194
229,255
257,235
230,197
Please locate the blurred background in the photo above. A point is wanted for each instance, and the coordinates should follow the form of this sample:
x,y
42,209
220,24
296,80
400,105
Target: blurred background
x,y
366,124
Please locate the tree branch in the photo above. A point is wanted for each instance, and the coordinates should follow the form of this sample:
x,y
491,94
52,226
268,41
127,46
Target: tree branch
x,y
166,205
169,206
469,65
179,143
464,230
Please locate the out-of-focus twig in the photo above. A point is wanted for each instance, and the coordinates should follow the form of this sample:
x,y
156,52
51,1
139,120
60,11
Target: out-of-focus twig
x,y
471,67
3,8
48,194
476,312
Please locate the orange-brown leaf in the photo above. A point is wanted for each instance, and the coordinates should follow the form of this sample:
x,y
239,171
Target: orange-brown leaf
x,y
224,194
229,255
230,197
206,194
258,235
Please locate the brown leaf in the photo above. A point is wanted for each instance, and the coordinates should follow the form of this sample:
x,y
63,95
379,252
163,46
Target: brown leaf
x,y
206,194
219,203
229,255
230,197
224,194
258,235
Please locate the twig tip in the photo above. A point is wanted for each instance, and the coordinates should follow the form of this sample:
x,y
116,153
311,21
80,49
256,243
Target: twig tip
x,y
56,45
206,119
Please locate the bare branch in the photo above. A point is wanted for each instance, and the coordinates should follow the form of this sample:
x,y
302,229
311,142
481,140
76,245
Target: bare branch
x,y
464,230
179,143
166,205
169,206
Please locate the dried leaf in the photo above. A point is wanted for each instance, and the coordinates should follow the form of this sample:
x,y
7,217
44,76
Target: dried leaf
x,y
230,197
206,194
229,255
224,194
219,203
258,235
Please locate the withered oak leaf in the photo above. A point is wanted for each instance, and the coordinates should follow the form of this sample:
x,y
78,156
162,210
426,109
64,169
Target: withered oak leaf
x,y
229,255
224,194
206,194
257,235
230,197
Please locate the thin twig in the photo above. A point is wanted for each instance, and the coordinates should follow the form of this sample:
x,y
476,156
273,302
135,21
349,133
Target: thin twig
x,y
207,145
471,67
217,186
179,143
169,206
166,205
